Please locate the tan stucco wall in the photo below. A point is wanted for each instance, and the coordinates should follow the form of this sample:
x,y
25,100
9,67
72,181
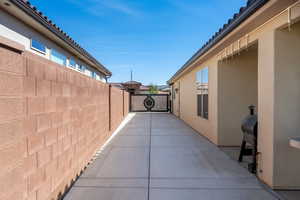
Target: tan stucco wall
x,y
188,102
279,114
277,98
237,89
287,107
265,104
176,99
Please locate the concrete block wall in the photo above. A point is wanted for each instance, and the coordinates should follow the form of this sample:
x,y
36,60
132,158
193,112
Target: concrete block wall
x,y
126,103
52,120
116,107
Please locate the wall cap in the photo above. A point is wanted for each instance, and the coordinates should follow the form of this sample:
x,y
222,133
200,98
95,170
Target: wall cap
x,y
12,45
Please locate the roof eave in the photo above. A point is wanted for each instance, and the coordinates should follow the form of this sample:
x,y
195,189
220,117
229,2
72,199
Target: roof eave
x,y
216,39
61,35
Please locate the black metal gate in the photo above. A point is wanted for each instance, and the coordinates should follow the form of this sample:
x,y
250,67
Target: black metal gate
x,y
149,103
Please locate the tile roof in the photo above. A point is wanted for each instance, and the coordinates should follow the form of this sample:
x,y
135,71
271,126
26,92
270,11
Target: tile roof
x,y
117,85
245,12
32,11
132,83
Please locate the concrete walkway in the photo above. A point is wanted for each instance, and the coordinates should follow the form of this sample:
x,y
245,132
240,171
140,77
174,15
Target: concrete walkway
x,y
157,157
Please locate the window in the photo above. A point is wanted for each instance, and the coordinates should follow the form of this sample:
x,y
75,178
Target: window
x,y
97,77
94,75
38,46
102,78
81,68
202,93
58,57
88,72
78,67
72,63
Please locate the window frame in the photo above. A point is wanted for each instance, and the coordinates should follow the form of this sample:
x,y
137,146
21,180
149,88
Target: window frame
x,y
88,72
70,65
82,68
36,49
51,55
202,87
94,75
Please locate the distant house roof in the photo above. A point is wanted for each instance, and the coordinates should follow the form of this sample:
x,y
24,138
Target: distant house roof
x,y
132,83
38,16
244,13
163,87
117,85
144,88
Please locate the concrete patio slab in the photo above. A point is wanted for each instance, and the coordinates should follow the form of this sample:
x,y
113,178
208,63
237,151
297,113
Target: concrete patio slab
x,y
177,132
98,193
157,157
209,194
112,182
125,163
132,141
200,183
179,163
179,141
134,131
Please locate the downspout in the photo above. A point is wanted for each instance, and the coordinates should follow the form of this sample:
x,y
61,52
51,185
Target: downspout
x,y
172,98
179,99
109,107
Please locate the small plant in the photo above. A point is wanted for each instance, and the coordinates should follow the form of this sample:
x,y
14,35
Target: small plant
x,y
153,89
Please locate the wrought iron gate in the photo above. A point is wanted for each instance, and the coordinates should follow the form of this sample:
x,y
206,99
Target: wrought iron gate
x,y
149,103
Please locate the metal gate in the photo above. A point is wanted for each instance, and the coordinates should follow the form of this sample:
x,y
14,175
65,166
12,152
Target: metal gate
x,y
149,103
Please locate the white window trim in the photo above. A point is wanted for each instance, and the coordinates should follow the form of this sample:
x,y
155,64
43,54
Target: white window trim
x,y
35,49
202,95
69,63
66,62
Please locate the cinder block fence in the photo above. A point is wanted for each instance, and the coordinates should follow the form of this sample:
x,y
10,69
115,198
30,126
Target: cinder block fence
x,y
52,120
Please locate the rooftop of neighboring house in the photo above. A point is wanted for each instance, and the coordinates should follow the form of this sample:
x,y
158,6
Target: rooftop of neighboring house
x,y
163,87
117,85
129,85
29,15
144,88
132,83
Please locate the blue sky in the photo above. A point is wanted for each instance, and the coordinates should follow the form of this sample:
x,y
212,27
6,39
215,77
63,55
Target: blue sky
x,y
154,38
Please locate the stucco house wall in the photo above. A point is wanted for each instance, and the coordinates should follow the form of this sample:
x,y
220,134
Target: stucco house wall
x,y
188,101
176,99
286,106
277,97
16,30
237,89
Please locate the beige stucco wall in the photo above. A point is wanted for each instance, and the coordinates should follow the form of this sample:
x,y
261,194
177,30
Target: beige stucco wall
x,y
237,89
266,104
225,94
277,98
279,102
286,107
187,109
176,99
